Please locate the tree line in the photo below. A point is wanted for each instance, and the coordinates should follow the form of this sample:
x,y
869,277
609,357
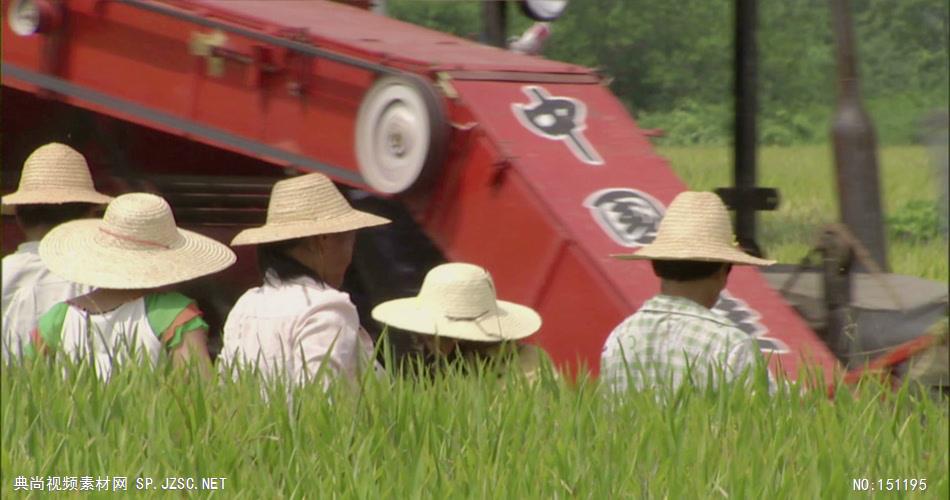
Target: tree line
x,y
671,61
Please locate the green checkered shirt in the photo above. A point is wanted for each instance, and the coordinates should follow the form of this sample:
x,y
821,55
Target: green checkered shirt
x,y
671,340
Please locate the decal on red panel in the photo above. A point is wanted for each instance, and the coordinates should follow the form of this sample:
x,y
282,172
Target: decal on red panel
x,y
558,118
747,320
630,217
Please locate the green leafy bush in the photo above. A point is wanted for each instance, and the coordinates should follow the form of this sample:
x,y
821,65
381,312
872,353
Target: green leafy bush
x,y
915,220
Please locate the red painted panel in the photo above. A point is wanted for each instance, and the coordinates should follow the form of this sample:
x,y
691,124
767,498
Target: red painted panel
x,y
489,220
141,58
578,307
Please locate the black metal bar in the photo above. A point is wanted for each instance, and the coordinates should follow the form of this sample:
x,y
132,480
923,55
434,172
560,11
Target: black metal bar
x,y
261,37
495,23
855,146
836,281
745,123
753,199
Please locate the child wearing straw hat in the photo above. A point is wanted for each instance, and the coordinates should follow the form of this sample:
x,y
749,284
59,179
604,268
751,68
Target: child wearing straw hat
x,y
674,337
457,317
130,256
55,187
298,325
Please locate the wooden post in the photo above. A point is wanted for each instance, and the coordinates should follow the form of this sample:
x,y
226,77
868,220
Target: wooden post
x,y
495,23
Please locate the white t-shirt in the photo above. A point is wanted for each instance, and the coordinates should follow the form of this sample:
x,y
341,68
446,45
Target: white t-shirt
x,y
109,338
291,328
29,290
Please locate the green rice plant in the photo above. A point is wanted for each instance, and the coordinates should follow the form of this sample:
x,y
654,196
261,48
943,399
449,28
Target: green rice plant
x,y
805,178
473,434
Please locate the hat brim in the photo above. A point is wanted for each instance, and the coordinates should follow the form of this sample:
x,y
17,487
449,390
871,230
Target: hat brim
x,y
269,233
511,322
54,197
70,250
729,255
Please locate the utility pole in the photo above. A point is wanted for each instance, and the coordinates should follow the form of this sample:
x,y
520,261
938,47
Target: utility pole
x,y
855,145
744,196
746,133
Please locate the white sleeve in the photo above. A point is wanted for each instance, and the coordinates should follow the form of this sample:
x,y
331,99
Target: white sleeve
x,y
326,344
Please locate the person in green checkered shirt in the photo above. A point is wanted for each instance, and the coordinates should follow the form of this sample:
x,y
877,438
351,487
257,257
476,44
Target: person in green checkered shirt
x,y
675,337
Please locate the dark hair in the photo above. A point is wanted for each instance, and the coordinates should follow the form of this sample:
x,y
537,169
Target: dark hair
x,y
274,257
687,270
414,359
52,214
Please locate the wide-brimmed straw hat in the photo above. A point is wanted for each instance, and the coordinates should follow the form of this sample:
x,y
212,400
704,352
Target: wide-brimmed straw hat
x,y
458,301
696,227
306,206
135,245
55,174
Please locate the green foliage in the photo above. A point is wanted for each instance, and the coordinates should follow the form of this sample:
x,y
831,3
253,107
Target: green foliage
x,y
459,18
691,124
671,62
916,220
473,436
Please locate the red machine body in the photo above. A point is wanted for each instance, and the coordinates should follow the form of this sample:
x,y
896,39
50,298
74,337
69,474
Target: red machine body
x,y
545,175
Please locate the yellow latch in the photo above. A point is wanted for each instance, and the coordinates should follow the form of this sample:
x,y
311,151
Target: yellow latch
x,y
444,82
203,45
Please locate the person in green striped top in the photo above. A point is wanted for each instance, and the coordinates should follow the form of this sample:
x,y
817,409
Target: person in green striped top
x,y
131,256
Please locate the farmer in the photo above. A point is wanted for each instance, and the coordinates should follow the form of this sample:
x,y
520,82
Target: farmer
x,y
675,337
298,325
130,256
55,187
456,317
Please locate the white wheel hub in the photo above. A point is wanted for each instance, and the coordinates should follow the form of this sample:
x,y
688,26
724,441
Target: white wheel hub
x,y
24,17
544,10
394,133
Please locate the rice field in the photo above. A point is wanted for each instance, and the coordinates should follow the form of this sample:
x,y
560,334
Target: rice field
x,y
805,178
485,436
475,436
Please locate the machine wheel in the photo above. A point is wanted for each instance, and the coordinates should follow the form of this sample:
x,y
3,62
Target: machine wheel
x,y
543,10
401,134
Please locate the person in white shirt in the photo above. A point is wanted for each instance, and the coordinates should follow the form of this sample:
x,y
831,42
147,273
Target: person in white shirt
x,y
298,326
55,187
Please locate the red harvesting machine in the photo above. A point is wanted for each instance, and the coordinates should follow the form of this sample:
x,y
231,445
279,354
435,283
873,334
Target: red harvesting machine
x,y
528,167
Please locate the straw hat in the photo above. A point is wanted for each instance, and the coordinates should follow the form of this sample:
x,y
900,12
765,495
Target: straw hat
x,y
696,227
306,206
135,245
54,174
458,301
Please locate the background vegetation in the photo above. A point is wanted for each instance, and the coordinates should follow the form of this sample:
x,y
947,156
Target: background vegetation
x,y
672,61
